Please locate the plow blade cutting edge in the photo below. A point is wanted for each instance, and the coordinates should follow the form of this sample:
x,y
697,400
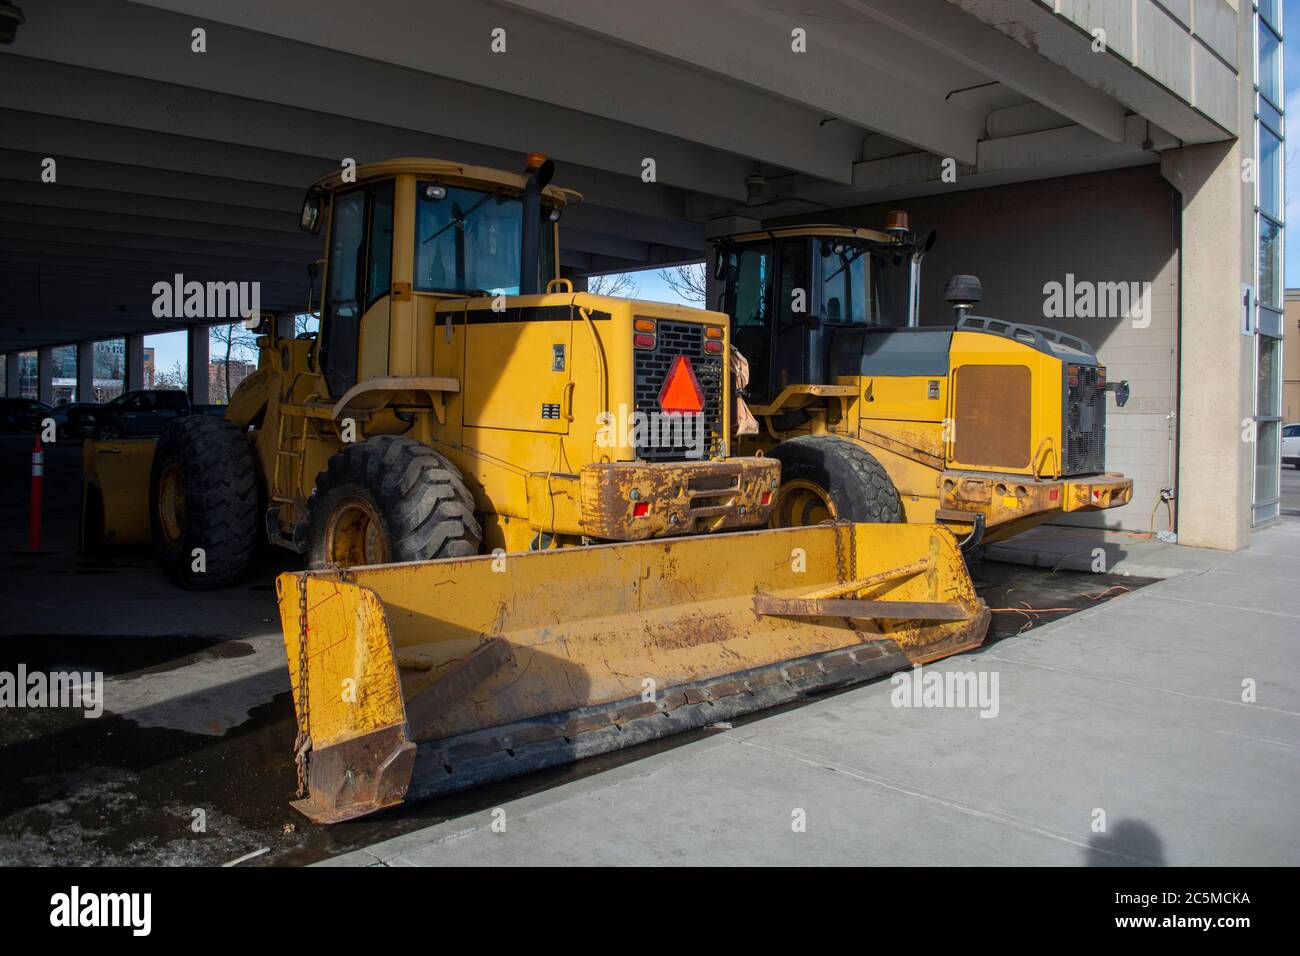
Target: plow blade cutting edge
x,y
426,678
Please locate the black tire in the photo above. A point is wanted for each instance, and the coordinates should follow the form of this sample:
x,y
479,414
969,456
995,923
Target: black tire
x,y
414,497
109,431
852,479
213,462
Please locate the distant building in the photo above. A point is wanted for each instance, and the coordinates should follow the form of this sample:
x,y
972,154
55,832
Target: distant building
x,y
240,369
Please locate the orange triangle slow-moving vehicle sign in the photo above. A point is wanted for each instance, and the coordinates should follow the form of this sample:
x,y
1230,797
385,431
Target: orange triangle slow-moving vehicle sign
x,y
681,391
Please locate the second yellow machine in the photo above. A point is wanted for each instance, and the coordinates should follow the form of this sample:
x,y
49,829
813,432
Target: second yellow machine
x,y
987,426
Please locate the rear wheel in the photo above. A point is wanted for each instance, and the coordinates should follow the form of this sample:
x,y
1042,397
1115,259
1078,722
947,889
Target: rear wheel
x,y
390,499
825,478
203,495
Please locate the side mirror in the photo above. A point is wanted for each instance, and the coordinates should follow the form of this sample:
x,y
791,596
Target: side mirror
x,y
721,263
311,214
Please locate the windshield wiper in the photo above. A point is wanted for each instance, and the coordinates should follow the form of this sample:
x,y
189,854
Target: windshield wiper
x,y
847,261
462,218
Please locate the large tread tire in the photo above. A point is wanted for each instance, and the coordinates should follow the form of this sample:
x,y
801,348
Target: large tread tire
x,y
856,483
420,498
222,501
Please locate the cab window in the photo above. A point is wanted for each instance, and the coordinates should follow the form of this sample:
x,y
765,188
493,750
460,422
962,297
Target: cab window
x,y
468,241
749,302
359,274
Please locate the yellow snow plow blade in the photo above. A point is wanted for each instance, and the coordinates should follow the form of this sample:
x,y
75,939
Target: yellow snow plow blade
x,y
430,677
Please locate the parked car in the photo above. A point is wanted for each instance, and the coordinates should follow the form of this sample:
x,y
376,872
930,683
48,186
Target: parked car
x,y
1291,445
26,415
21,416
135,414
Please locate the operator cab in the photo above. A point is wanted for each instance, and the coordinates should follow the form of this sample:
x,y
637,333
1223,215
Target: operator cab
x,y
425,227
791,292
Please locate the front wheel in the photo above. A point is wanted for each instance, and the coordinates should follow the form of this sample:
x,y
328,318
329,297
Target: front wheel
x,y
109,431
825,478
390,499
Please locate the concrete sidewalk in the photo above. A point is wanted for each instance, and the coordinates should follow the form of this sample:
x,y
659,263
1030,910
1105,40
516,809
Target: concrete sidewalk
x,y
1133,709
1064,547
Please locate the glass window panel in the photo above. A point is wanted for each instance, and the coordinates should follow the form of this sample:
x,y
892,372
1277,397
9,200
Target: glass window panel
x,y
1269,116
381,242
470,241
1270,263
1268,377
1268,10
1270,65
1267,461
1270,173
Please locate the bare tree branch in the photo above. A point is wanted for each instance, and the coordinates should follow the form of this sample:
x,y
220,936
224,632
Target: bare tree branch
x,y
619,284
687,282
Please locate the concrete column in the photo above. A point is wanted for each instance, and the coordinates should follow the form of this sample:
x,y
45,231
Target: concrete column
x,y
85,371
12,363
198,363
1216,361
134,362
45,375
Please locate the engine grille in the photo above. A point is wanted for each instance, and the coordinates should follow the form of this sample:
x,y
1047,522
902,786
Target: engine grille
x,y
651,367
1085,420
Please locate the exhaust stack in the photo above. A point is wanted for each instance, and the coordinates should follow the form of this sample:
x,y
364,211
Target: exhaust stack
x,y
539,170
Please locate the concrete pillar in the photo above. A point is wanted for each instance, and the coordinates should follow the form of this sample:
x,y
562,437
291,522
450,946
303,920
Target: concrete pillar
x,y
12,364
45,375
85,372
197,353
134,362
1216,361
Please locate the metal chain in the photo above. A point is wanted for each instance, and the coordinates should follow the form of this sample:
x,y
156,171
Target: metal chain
x,y
302,745
853,551
839,552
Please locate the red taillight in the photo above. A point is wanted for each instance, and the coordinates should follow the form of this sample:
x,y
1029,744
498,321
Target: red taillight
x,y
640,509
767,498
643,341
1053,494
714,346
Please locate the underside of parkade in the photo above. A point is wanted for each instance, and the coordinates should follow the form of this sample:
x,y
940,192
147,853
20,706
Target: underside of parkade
x,y
994,122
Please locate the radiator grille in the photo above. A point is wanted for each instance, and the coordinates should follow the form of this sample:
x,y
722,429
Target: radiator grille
x,y
651,367
1085,420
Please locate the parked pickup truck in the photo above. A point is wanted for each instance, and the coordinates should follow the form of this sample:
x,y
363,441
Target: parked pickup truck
x,y
136,414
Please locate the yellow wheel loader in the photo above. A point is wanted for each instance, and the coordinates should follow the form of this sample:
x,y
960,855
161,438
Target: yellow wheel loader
x,y
987,426
525,525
